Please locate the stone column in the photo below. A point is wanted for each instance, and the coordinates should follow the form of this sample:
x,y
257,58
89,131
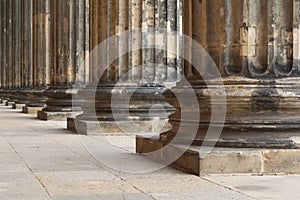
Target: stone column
x,y
9,52
37,53
70,45
134,75
5,95
255,46
21,90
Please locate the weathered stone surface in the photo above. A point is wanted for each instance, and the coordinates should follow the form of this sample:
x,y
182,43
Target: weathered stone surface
x,y
281,161
31,110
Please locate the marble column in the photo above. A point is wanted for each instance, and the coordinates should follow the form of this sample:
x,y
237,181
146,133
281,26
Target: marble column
x,y
70,44
135,75
255,45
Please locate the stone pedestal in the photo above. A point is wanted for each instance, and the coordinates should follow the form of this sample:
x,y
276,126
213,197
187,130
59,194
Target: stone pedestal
x,y
60,104
37,101
122,109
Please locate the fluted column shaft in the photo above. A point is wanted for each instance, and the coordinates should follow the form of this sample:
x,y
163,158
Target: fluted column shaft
x,y
70,47
142,70
255,47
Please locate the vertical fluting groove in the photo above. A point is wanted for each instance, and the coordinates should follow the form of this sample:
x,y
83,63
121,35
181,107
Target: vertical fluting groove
x,y
59,18
161,40
40,44
179,65
296,33
123,24
4,44
1,46
34,37
63,30
232,59
80,29
198,32
283,36
149,40
172,41
188,22
28,37
86,54
129,73
54,50
10,44
112,43
17,46
214,33
47,41
42,55
71,34
102,29
13,44
257,35
94,34
22,46
136,40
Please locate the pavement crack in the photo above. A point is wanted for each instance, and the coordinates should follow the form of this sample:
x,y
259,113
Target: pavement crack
x,y
31,171
227,187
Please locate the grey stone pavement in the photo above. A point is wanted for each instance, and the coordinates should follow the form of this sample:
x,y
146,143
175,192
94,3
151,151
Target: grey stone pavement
x,y
41,160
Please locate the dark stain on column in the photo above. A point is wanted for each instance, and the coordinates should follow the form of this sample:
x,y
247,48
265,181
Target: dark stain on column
x,y
123,24
282,60
232,59
112,47
148,37
136,40
257,35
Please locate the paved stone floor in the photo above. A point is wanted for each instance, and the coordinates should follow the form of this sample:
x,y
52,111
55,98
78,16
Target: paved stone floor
x,y
41,160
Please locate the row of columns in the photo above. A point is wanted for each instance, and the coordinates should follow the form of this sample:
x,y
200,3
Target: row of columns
x,y
255,47
49,60
50,63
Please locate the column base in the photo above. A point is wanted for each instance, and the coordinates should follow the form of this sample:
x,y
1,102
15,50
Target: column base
x,y
17,106
4,101
94,127
255,161
31,110
9,103
56,116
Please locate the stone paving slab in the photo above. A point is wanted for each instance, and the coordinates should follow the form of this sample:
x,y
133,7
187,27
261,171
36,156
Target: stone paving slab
x,y
262,187
42,161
